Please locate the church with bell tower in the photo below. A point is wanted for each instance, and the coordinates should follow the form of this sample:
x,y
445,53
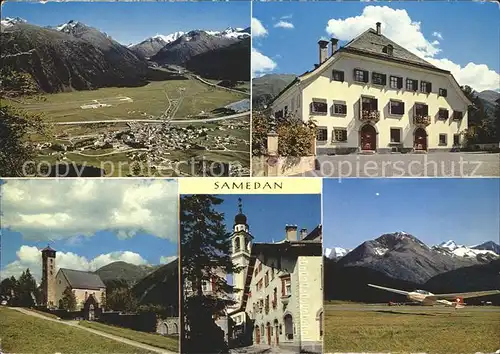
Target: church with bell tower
x,y
241,241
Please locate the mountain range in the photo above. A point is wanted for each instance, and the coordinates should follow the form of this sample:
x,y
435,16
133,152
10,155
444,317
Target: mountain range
x,y
402,261
74,56
153,285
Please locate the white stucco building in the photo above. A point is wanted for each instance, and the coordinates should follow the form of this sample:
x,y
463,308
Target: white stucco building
x,y
281,297
373,95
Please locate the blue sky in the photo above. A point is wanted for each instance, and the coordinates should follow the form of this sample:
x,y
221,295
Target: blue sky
x,y
434,210
466,31
267,214
90,222
132,22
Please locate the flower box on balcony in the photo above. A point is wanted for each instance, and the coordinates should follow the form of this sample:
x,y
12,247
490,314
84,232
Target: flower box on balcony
x,y
422,119
370,115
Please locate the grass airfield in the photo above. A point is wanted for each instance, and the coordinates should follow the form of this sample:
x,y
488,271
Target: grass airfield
x,y
357,328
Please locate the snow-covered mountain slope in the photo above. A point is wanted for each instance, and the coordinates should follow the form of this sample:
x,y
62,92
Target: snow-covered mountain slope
x,y
336,252
451,248
11,21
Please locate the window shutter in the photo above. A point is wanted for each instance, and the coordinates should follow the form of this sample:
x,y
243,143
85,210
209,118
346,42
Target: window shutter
x,y
365,76
384,79
429,87
400,82
342,76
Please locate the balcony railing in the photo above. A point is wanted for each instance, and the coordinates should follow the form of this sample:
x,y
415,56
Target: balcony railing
x,y
421,119
370,115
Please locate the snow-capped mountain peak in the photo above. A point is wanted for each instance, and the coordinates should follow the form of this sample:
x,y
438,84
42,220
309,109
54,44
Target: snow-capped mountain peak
x,y
11,21
170,37
336,252
67,27
453,249
450,244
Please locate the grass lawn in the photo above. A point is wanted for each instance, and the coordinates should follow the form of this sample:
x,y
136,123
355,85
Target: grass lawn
x,y
146,100
46,314
156,340
431,330
22,333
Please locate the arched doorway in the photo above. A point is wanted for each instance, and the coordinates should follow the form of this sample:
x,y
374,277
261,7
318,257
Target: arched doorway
x,y
276,332
257,335
420,141
91,312
268,328
368,138
288,326
163,329
175,328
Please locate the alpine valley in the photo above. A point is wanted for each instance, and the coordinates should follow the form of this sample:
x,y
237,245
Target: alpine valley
x,y
400,260
172,98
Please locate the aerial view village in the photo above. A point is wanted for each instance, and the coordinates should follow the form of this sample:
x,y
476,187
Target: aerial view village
x,y
87,285
117,101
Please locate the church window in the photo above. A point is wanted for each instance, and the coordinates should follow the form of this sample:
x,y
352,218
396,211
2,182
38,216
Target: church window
x,y
236,245
243,246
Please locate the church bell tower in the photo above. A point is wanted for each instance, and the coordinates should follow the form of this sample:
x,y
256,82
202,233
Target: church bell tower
x,y
241,246
48,277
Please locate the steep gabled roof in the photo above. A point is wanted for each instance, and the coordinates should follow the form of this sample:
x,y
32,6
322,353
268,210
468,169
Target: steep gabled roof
x,y
369,42
82,280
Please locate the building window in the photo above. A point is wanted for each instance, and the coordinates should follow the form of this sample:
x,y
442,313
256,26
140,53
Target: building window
x,y
319,107
266,279
360,75
443,92
411,85
340,109
421,109
322,134
369,104
278,114
275,298
425,87
59,282
457,115
340,134
443,139
266,307
204,285
456,139
289,327
443,113
272,272
395,135
286,111
396,107
51,260
379,79
51,273
286,286
260,267
396,82
338,75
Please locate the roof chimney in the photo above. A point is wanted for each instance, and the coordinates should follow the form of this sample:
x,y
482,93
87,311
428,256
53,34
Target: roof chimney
x,y
291,232
379,30
334,42
323,51
303,233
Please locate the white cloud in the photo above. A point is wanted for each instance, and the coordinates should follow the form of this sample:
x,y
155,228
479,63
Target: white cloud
x,y
167,259
31,257
258,29
399,27
286,17
57,209
437,35
284,24
261,64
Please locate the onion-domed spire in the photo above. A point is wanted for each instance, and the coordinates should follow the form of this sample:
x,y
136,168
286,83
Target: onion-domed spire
x,y
240,219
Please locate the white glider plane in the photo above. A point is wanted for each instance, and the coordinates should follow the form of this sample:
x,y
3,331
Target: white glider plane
x,y
429,299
